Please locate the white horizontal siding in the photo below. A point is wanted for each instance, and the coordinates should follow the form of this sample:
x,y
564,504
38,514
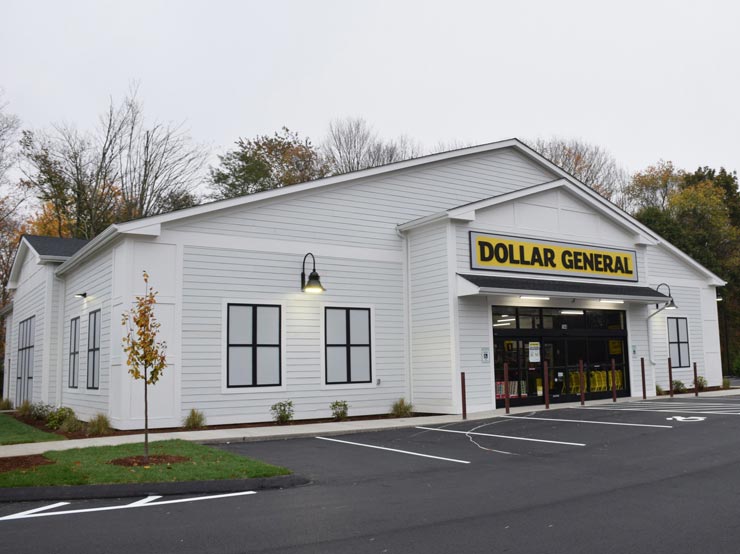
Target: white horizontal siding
x,y
365,213
29,300
212,276
431,326
93,277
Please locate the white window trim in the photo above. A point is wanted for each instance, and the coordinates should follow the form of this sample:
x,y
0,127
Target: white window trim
x,y
668,341
225,389
89,306
322,344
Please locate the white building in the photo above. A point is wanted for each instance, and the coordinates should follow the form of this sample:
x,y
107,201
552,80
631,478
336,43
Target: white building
x,y
429,265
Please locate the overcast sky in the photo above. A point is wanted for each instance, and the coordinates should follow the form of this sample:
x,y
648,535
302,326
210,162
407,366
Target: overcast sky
x,y
647,80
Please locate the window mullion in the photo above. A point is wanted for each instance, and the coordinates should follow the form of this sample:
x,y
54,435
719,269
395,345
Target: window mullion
x,y
348,347
254,346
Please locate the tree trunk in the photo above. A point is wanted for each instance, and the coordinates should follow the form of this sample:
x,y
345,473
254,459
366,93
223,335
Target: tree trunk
x,y
146,419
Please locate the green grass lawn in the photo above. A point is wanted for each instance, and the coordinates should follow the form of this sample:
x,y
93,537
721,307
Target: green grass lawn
x,y
13,431
89,466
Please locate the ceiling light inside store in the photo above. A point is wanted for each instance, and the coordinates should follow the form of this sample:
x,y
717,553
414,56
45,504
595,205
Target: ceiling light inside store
x,y
501,324
571,312
507,319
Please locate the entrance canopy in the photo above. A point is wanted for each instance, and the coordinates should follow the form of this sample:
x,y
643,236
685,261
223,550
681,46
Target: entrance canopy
x,y
469,285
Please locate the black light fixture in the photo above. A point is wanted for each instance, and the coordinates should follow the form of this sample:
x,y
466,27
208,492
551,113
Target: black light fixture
x,y
313,285
81,295
671,304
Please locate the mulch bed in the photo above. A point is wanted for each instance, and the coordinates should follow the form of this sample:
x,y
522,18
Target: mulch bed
x,y
155,459
23,462
82,435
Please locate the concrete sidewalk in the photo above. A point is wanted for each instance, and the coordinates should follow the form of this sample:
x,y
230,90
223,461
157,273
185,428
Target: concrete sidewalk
x,y
273,432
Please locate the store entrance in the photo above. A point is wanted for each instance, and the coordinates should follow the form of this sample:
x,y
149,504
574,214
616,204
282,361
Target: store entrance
x,y
562,345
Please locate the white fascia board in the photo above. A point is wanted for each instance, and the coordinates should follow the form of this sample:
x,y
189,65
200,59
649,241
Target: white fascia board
x,y
146,229
328,181
98,242
581,295
24,248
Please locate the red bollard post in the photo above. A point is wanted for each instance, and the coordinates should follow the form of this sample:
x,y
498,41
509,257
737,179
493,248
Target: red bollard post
x,y
642,368
547,385
582,381
614,381
506,386
696,382
670,377
462,390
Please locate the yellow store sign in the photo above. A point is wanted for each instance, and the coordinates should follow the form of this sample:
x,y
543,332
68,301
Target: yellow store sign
x,y
499,253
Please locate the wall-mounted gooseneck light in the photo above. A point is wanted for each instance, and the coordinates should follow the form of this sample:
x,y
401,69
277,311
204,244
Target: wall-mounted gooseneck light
x,y
313,285
81,295
671,304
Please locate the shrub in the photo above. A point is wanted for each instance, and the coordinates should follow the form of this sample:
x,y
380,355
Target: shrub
x,y
339,409
71,424
282,412
726,383
678,386
401,408
6,404
658,390
99,426
24,410
57,417
194,420
701,382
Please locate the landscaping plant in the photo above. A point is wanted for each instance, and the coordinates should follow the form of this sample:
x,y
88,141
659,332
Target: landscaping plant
x,y
701,383
194,420
339,409
145,355
401,408
678,386
58,416
6,404
99,425
282,412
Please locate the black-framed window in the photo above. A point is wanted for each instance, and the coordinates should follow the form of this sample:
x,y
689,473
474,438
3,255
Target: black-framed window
x,y
678,341
24,377
347,345
253,357
93,350
74,351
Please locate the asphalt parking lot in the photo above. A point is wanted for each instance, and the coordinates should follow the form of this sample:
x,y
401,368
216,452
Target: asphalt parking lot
x,y
638,476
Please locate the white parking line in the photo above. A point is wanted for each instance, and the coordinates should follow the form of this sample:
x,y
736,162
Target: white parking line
x,y
667,410
395,450
592,422
144,503
501,436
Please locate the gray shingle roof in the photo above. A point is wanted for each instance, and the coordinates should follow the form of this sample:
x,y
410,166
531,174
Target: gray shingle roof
x,y
55,246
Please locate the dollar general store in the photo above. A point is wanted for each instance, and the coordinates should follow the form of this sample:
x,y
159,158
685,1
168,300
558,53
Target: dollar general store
x,y
459,261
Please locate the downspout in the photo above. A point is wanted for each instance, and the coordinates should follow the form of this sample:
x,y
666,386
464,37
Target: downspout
x,y
407,312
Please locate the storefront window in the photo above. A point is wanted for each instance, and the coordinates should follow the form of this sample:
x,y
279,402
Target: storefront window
x,y
529,318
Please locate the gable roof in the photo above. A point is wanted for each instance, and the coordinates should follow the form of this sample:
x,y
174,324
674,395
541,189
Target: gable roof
x,y
46,250
152,225
55,246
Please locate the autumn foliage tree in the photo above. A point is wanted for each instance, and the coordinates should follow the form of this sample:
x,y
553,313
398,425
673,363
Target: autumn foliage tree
x,y
145,355
266,162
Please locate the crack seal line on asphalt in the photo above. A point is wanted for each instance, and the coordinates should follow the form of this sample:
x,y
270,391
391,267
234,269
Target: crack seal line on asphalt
x,y
470,438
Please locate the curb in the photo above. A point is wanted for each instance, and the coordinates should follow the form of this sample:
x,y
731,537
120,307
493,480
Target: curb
x,y
87,492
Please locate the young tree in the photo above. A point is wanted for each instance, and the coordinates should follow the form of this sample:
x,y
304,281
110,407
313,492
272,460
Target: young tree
x,y
265,163
145,355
